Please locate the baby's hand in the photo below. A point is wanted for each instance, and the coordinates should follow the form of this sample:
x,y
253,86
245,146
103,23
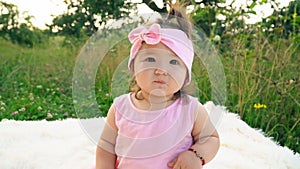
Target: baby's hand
x,y
186,160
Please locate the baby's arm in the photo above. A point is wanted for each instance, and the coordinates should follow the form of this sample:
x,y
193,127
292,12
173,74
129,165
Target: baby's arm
x,y
105,154
206,143
206,138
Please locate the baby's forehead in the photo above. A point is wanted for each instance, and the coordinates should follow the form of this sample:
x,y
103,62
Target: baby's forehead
x,y
159,46
155,51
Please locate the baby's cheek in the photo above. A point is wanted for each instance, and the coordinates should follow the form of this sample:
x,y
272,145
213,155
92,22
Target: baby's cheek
x,y
179,76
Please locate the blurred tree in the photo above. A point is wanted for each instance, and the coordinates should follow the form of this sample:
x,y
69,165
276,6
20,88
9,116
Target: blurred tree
x,y
215,18
218,19
152,5
203,12
87,16
9,17
12,29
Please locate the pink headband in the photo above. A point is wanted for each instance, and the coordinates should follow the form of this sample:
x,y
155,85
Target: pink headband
x,y
175,39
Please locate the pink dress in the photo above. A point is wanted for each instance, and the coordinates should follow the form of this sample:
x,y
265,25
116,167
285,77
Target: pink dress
x,y
151,139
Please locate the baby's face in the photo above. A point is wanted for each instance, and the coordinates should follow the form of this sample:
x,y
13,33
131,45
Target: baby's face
x,y
158,70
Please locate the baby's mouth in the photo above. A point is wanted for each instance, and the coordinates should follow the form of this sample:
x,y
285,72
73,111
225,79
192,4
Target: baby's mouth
x,y
160,82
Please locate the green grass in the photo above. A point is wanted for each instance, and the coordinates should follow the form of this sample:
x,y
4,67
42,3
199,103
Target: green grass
x,y
266,72
36,83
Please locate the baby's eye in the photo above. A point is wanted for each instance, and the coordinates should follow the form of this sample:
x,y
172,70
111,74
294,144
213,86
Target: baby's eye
x,y
150,59
174,62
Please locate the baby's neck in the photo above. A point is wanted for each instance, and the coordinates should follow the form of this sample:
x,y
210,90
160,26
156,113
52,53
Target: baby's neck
x,y
152,102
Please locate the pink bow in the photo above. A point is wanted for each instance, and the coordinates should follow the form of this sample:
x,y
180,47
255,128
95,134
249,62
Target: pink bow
x,y
151,36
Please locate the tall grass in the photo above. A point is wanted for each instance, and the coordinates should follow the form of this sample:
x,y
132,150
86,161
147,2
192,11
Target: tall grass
x,y
263,70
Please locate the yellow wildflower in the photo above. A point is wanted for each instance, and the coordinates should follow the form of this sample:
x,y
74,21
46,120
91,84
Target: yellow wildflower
x,y
259,106
295,15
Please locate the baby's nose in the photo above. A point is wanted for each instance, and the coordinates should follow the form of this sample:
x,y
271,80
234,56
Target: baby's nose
x,y
160,72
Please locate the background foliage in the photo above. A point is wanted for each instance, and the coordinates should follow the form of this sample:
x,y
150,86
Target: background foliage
x,y
261,62
87,16
12,29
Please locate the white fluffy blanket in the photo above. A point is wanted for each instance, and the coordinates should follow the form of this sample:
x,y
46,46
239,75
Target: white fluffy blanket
x,y
66,145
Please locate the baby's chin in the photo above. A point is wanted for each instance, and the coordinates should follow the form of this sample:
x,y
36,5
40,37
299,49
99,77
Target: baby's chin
x,y
160,94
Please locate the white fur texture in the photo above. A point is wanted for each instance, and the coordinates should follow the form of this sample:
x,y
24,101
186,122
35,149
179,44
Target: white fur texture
x,y
65,144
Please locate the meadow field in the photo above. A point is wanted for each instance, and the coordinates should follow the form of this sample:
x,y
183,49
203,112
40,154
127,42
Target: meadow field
x,y
262,82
